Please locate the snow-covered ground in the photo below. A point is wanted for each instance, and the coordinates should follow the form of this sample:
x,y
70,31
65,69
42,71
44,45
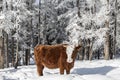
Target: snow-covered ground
x,y
83,70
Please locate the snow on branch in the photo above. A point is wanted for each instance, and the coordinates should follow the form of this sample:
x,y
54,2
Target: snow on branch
x,y
86,27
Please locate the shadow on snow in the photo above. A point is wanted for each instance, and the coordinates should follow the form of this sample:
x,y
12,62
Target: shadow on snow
x,y
98,70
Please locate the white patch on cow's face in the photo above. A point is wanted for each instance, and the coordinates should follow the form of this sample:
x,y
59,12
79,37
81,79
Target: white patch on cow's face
x,y
69,51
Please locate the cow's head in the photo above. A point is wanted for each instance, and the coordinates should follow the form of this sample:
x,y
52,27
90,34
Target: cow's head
x,y
69,51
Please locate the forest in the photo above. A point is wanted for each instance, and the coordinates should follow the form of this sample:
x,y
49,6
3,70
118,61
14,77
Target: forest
x,y
26,23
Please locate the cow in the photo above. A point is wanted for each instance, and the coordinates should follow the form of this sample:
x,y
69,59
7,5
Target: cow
x,y
54,56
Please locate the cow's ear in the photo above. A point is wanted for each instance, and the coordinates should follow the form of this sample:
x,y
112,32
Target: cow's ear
x,y
79,47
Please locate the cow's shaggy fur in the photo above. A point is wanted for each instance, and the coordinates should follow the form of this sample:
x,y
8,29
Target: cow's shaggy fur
x,y
53,56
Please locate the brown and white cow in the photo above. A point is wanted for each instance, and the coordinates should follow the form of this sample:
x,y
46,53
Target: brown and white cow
x,y
54,56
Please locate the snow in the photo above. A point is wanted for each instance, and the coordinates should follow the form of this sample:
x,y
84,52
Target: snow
x,y
83,70
2,16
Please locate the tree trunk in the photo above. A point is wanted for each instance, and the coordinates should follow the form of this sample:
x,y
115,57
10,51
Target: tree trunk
x,y
31,25
6,50
90,51
39,32
107,45
1,54
78,5
85,53
12,48
81,54
114,37
111,43
98,55
16,60
27,56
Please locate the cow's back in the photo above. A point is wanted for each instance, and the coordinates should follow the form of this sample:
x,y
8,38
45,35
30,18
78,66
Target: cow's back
x,y
49,55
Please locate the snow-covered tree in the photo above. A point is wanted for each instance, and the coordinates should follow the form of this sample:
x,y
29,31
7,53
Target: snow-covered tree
x,y
94,23
16,13
91,24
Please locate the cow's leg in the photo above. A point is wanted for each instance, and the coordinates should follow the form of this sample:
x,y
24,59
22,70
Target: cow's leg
x,y
61,66
61,70
68,71
40,68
